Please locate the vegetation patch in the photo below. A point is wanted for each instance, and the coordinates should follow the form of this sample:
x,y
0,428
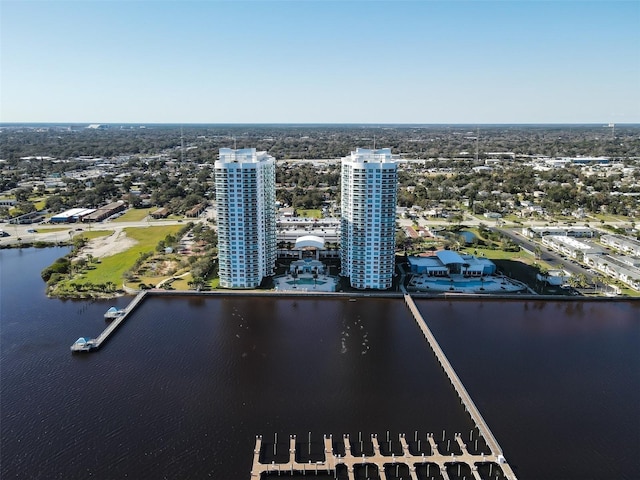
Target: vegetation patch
x,y
90,235
134,215
99,276
53,229
171,257
309,213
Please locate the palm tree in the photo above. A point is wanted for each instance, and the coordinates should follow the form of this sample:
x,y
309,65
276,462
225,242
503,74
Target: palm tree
x,y
582,278
537,252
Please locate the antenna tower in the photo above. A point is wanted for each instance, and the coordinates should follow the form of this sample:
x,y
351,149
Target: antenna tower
x,y
181,145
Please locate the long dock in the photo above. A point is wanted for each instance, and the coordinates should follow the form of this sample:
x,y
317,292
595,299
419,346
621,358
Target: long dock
x,y
96,343
470,406
350,462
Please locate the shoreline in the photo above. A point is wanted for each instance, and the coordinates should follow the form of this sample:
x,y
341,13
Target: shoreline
x,y
364,295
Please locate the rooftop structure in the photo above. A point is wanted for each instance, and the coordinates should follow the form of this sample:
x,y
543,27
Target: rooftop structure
x,y
573,231
570,246
446,262
624,244
72,215
621,268
105,212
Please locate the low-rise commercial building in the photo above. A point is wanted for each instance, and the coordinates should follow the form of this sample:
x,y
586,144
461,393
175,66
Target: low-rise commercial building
x,y
71,216
576,232
571,247
105,212
624,244
447,262
625,269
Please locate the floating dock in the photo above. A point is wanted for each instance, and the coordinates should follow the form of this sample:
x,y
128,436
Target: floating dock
x,y
350,462
96,343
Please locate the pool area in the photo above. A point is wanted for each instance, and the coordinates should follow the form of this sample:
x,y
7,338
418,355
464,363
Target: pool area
x,y
306,283
462,284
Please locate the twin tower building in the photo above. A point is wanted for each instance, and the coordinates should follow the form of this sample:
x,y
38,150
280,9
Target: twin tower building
x,y
245,183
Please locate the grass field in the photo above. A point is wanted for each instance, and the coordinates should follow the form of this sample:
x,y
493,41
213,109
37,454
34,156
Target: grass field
x,y
111,269
309,213
39,202
182,283
520,256
629,292
90,235
53,229
134,215
607,218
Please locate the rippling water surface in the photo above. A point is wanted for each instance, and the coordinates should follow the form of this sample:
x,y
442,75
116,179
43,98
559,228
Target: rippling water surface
x,y
181,390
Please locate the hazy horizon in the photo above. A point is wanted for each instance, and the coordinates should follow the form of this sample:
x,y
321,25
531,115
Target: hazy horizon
x,y
320,124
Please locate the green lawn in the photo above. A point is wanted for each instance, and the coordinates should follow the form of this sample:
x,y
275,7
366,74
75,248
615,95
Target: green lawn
x,y
182,283
39,202
90,235
52,229
499,254
606,217
134,215
309,213
111,269
630,292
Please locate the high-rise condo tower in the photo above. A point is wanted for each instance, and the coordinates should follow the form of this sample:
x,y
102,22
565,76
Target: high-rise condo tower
x,y
245,196
369,193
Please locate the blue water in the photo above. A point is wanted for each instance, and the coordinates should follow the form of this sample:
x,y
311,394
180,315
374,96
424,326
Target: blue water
x,y
465,283
305,281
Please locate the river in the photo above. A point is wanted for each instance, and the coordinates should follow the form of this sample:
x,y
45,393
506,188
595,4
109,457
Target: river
x,y
183,388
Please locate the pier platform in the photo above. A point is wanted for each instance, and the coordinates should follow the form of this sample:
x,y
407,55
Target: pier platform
x,y
349,462
95,343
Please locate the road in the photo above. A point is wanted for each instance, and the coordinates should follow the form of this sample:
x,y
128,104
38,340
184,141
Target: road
x,y
547,255
54,233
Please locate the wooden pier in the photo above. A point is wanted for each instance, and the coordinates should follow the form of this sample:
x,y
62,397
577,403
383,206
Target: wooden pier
x,y
349,462
465,398
96,343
